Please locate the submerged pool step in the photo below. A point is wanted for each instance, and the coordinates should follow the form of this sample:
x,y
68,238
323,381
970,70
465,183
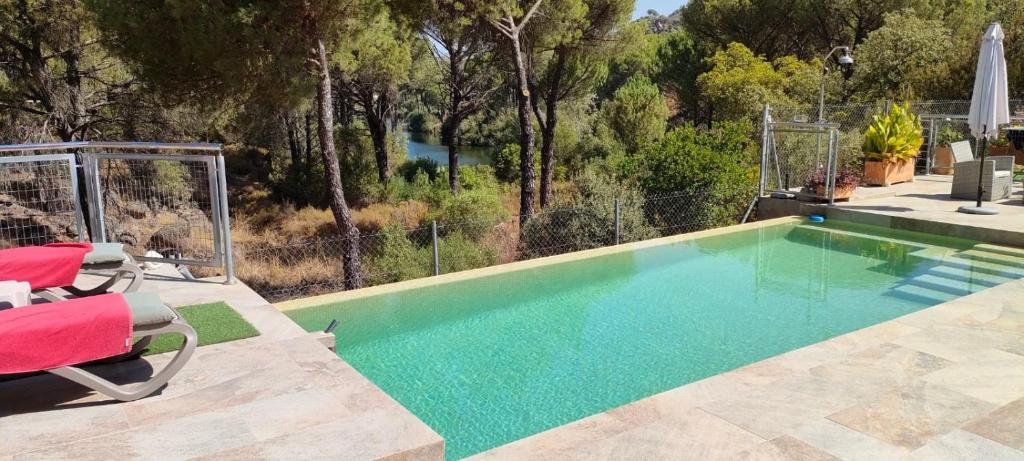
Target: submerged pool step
x,y
1008,251
1011,261
958,275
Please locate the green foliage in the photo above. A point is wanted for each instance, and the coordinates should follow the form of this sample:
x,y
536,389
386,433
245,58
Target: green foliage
x,y
395,258
637,114
420,121
903,58
172,182
680,61
739,83
589,221
717,167
410,168
457,252
895,136
506,164
948,135
473,213
477,178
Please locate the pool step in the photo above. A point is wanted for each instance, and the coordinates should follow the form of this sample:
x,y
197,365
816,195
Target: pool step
x,y
955,275
1008,251
916,245
1011,261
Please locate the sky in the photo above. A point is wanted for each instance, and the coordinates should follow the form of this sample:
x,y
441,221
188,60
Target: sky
x,y
661,6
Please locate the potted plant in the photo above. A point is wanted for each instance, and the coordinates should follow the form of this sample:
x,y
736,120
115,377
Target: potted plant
x,y
1000,145
942,159
846,183
891,143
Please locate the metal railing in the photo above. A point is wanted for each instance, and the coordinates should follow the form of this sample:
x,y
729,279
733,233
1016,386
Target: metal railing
x,y
163,197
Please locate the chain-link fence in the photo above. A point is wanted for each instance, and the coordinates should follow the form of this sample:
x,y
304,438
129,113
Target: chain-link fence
x,y
395,254
801,152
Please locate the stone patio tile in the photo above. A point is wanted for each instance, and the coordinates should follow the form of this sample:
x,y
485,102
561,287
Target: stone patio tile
x,y
878,368
586,431
964,446
283,414
847,443
372,435
1004,425
694,434
785,448
274,379
1000,315
957,343
838,348
784,406
718,387
910,416
27,431
994,376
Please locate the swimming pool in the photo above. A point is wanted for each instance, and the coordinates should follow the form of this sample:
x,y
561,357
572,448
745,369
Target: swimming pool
x,y
489,359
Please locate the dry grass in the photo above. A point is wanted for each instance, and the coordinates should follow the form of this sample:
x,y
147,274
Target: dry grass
x,y
409,214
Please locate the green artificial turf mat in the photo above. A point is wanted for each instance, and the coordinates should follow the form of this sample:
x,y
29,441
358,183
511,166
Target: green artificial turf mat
x,y
214,323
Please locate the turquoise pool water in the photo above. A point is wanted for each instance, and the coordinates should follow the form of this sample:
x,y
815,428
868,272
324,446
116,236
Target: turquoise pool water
x,y
494,359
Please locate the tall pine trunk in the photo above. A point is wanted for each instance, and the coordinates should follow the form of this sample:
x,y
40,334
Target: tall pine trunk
x,y
547,134
350,259
526,135
377,124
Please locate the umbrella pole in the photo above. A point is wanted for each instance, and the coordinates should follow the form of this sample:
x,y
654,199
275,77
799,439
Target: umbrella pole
x,y
981,169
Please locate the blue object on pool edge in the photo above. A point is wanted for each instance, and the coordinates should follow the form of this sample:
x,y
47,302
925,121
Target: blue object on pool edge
x,y
816,218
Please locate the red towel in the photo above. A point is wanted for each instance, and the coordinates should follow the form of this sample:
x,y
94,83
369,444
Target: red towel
x,y
49,266
45,336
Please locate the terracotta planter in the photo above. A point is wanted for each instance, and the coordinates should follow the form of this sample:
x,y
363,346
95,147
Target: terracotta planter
x,y
881,173
841,193
994,151
942,162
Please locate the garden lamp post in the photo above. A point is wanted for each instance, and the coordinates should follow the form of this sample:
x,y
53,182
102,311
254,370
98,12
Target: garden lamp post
x,y
845,59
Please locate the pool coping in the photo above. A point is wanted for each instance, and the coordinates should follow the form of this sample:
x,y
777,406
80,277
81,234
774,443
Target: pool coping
x,y
470,274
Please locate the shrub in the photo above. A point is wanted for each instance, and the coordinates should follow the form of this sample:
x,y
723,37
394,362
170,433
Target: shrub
x,y
410,168
589,221
506,163
456,252
394,257
477,177
473,213
715,168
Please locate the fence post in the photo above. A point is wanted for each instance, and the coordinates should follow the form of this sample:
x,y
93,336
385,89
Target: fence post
x,y
433,236
225,219
618,220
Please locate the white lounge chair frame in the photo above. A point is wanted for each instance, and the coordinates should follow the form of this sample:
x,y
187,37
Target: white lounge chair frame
x,y
135,391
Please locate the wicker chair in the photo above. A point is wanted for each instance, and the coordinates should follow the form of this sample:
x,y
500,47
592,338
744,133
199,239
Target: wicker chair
x,y
997,174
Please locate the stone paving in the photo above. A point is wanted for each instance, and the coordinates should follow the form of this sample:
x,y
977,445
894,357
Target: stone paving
x,y
943,383
281,395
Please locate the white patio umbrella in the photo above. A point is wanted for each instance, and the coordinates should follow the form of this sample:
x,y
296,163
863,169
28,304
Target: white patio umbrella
x,y
990,106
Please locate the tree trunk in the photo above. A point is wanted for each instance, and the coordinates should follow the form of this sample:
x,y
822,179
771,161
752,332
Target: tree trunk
x,y
526,135
547,149
309,137
350,258
379,136
450,129
453,165
293,141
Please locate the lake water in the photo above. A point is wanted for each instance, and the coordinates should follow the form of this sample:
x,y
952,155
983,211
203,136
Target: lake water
x,y
421,146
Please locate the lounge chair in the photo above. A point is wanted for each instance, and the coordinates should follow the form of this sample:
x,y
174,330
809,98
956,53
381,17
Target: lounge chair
x,y
150,318
104,259
996,179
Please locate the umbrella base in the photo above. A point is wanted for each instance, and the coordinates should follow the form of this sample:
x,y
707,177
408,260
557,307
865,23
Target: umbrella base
x,y
978,210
